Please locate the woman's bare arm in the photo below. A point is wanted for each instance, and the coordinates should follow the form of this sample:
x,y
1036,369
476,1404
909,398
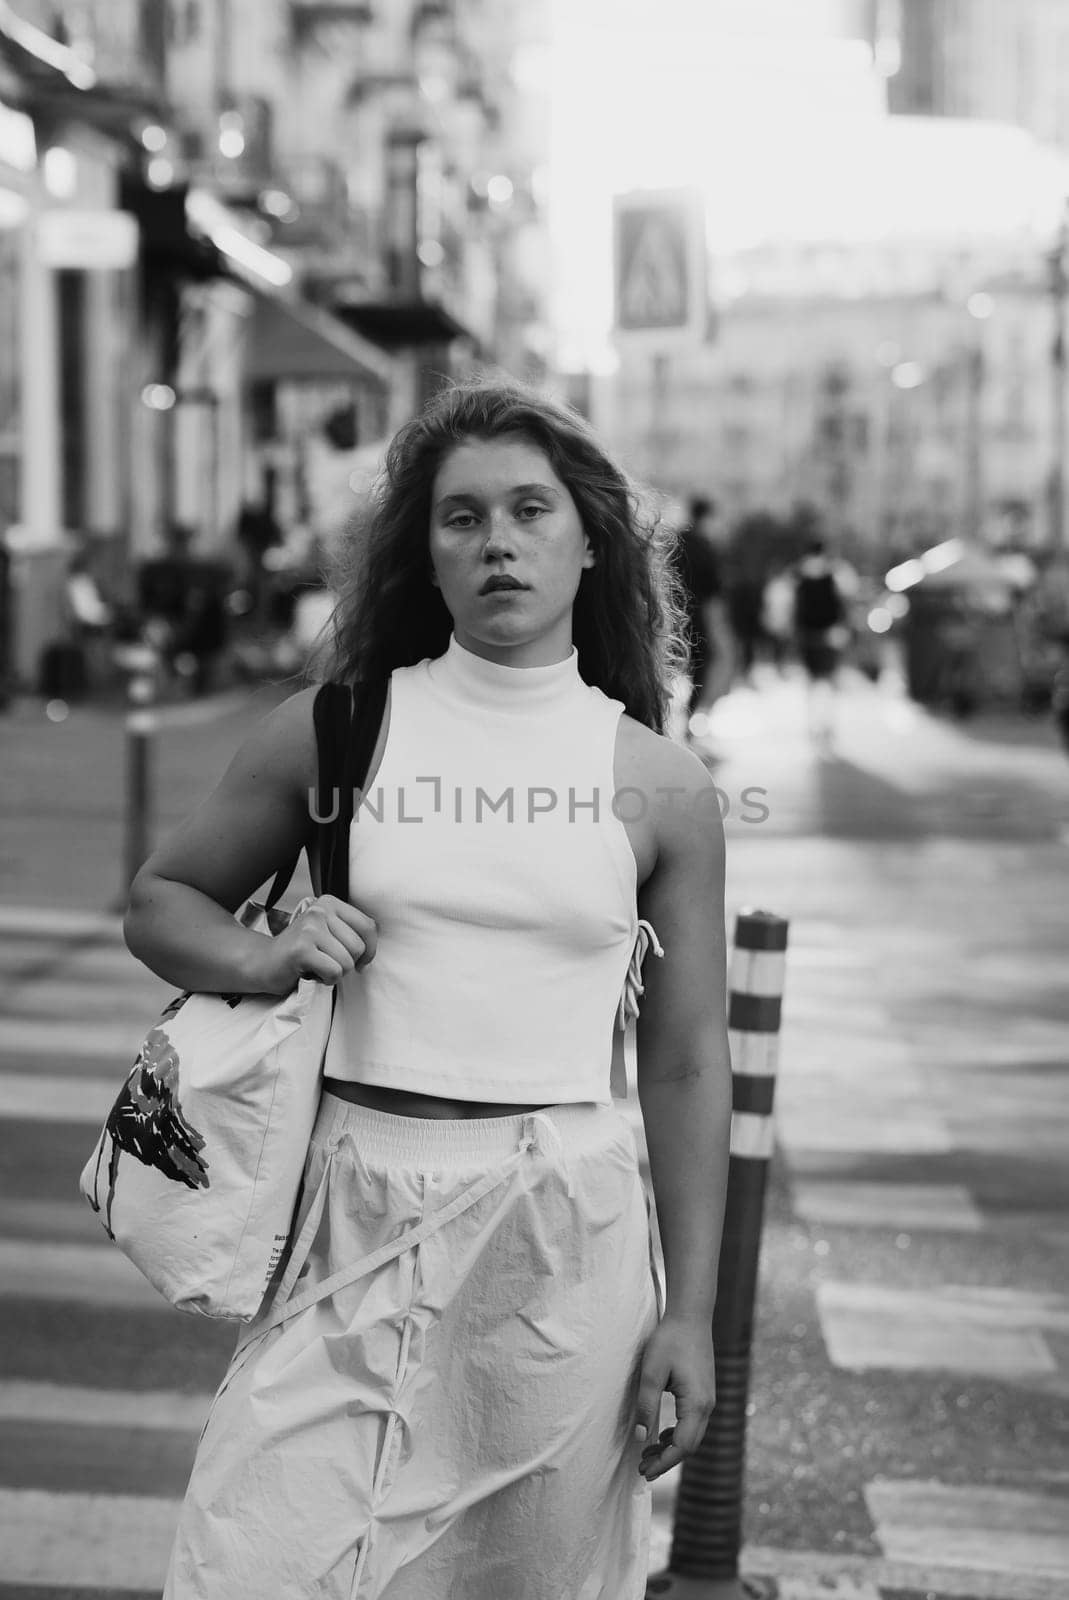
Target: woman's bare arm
x,y
684,1068
180,919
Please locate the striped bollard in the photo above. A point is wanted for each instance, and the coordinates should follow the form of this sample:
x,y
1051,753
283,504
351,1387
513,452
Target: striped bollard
x,y
707,1529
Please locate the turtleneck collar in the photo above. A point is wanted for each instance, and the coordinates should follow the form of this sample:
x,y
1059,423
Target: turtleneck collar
x,y
488,684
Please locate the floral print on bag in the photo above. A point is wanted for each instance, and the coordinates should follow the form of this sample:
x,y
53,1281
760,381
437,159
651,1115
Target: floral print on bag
x,y
147,1122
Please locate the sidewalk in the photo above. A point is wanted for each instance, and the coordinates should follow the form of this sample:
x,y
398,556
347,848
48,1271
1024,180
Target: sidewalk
x,y
911,1359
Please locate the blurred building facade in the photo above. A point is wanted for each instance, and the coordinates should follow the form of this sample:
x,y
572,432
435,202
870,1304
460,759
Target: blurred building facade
x,y
238,237
910,384
906,396
1005,62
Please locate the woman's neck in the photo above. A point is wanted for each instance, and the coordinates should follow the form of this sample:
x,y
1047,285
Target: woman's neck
x,y
545,651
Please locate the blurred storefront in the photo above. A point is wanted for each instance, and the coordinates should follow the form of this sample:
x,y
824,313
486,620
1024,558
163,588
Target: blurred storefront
x,y
317,389
236,368
67,251
18,161
240,241
147,336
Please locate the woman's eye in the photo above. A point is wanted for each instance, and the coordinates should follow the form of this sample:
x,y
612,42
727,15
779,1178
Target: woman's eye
x,y
463,519
530,512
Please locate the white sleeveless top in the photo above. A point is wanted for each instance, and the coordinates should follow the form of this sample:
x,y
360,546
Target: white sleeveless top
x,y
503,886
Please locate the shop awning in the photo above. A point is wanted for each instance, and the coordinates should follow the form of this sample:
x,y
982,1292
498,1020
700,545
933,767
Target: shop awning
x,y
296,342
399,325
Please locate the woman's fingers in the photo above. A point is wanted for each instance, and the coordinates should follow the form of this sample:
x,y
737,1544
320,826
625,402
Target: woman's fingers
x,y
332,938
346,921
662,1453
324,968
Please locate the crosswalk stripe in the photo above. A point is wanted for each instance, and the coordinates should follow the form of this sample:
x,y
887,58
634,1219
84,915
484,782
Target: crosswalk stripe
x,y
91,1274
23,1400
110,963
998,1530
35,963
132,1007
879,1204
868,1326
47,1219
975,1303
61,922
108,1041
52,1097
97,1541
800,1573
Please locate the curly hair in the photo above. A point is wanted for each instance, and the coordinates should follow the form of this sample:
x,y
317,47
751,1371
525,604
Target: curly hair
x,y
628,623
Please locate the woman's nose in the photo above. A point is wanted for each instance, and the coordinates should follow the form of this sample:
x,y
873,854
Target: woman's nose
x,y
498,532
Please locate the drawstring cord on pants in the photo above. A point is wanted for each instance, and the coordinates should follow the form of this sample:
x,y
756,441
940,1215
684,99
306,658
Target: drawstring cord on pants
x,y
535,1123
554,1144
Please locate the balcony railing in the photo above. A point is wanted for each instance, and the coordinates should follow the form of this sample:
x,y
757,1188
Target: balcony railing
x,y
307,16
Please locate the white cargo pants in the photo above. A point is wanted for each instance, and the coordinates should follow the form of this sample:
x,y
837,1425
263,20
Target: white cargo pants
x,y
439,1402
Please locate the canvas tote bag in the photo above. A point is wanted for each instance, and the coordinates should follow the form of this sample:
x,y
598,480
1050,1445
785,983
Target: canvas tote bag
x,y
197,1169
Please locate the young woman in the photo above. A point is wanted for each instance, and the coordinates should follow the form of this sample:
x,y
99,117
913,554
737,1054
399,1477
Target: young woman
x,y
460,1419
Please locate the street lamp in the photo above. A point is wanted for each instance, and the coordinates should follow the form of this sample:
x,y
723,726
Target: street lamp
x,y
899,428
980,306
1058,281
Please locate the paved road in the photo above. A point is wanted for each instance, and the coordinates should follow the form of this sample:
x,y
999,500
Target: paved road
x,y
908,1433
62,790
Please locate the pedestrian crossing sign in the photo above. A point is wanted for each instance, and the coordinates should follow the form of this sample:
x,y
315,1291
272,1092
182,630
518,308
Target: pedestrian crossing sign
x,y
659,252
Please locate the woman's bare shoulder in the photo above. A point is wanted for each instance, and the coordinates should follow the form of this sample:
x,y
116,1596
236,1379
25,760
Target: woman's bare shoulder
x,y
656,764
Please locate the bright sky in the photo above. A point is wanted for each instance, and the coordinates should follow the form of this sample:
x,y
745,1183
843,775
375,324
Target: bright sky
x,y
780,125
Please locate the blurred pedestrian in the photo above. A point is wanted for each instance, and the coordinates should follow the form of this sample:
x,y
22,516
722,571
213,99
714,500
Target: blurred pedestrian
x,y
701,574
88,613
745,598
1050,597
523,618
777,617
207,629
88,620
822,635
183,605
7,624
257,532
1047,617
72,661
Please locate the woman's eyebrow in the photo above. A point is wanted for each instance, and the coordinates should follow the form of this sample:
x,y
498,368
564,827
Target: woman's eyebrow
x,y
468,497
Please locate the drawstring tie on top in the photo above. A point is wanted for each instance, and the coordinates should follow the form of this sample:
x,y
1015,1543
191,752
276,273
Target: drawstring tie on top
x,y
633,985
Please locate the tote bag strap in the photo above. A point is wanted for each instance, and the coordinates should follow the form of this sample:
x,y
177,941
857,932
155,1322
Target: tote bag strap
x,y
347,724
347,730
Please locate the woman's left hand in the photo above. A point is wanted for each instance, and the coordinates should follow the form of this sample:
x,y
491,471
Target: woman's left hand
x,y
678,1357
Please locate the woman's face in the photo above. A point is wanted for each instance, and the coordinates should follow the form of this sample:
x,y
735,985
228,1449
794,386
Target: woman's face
x,y
508,549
